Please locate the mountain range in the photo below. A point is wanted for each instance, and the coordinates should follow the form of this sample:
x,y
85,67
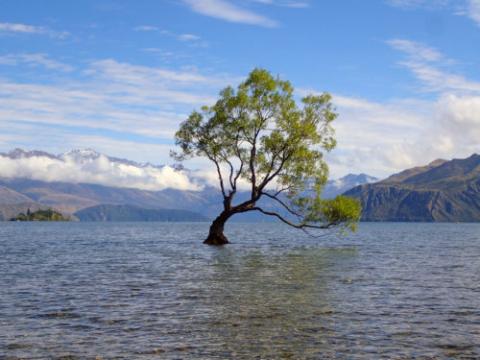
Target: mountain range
x,y
135,213
95,199
443,191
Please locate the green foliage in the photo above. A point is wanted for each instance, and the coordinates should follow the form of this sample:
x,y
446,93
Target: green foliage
x,y
258,133
342,210
40,215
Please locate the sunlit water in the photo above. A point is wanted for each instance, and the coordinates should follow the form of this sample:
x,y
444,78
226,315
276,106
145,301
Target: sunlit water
x,y
152,290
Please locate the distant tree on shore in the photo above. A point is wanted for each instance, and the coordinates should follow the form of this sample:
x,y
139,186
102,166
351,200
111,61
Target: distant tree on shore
x,y
40,215
259,135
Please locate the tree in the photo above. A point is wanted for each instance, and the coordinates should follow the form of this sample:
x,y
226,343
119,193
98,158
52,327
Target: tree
x,y
257,134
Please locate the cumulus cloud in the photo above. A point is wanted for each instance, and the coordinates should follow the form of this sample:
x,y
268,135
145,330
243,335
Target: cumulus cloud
x,y
383,138
98,169
459,119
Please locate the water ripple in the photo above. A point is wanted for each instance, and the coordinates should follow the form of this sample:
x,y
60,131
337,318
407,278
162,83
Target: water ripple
x,y
143,291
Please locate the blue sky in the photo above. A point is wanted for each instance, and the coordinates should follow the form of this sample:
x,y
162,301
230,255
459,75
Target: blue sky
x,y
119,76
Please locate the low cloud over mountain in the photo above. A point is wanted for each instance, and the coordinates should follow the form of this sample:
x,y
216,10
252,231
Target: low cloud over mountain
x,y
88,166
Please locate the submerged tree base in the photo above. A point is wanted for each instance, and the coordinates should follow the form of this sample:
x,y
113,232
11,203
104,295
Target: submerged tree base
x,y
216,239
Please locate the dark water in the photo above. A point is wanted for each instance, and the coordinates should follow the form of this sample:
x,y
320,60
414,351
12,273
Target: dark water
x,y
152,290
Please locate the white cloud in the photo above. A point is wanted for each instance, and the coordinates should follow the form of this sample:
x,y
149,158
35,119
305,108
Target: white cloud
x,y
129,73
427,64
382,138
222,9
31,29
473,10
193,39
146,28
459,120
188,37
436,80
285,3
406,4
99,170
467,8
36,59
114,96
20,28
141,106
416,50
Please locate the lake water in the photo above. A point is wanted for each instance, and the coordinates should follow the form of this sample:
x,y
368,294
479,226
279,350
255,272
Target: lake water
x,y
152,290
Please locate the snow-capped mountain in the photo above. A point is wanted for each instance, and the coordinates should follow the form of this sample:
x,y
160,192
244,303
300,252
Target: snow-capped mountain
x,y
20,153
92,167
343,184
86,155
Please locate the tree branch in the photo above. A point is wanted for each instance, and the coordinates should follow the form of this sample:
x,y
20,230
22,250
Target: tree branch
x,y
289,223
269,177
219,173
239,155
282,190
281,203
253,154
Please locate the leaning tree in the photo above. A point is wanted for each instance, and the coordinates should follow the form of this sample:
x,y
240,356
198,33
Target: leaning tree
x,y
259,138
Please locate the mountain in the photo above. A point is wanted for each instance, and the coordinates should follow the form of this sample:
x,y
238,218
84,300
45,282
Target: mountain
x,y
447,191
339,186
77,156
134,213
9,196
92,179
70,198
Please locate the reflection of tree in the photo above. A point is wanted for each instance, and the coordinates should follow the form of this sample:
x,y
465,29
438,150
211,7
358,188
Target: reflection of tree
x,y
274,306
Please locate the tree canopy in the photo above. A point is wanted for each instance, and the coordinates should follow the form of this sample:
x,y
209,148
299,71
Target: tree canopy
x,y
257,134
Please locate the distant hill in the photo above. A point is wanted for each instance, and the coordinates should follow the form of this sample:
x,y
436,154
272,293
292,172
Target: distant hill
x,y
17,194
446,191
69,198
134,213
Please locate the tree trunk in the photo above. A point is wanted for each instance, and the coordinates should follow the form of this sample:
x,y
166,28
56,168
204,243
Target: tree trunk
x,y
215,235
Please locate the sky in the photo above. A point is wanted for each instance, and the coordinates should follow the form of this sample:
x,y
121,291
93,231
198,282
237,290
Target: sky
x,y
120,76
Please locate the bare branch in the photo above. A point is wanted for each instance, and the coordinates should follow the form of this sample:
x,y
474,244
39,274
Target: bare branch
x,y
288,222
282,190
253,154
239,155
291,211
230,177
269,177
219,173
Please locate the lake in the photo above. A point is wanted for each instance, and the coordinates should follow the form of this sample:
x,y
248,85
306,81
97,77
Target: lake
x,y
152,290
